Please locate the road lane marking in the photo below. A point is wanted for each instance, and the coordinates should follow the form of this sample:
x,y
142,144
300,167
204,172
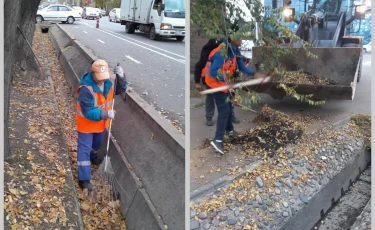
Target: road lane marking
x,y
85,32
144,47
101,41
123,38
134,60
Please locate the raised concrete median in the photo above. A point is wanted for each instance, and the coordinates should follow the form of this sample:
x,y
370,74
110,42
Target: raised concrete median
x,y
147,152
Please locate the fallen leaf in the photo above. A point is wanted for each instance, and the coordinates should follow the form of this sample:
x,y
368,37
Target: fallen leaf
x,y
85,206
23,193
13,191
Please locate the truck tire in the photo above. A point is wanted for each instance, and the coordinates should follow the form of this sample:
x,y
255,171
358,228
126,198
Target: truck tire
x,y
129,28
152,33
180,38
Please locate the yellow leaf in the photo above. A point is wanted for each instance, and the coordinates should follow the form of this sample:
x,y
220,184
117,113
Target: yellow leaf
x,y
62,173
26,141
29,156
13,191
23,193
85,206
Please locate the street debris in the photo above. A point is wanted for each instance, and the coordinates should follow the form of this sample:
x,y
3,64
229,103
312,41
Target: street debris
x,y
43,180
276,131
298,77
276,188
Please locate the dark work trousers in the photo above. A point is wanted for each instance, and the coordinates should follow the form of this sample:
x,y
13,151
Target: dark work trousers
x,y
210,105
88,145
224,118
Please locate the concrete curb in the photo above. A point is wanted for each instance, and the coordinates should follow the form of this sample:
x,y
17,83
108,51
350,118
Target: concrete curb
x,y
320,204
147,202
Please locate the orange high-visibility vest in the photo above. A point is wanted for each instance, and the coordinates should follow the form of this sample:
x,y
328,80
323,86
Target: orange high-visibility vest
x,y
228,66
85,125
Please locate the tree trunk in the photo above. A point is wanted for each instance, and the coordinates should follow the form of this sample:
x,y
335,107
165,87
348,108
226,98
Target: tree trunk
x,y
16,50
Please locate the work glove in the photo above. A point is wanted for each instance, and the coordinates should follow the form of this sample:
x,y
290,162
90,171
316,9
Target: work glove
x,y
119,71
111,114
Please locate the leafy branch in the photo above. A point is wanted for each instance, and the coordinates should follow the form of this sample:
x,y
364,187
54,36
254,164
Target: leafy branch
x,y
209,18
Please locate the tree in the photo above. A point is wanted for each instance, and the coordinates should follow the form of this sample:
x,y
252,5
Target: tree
x,y
16,50
230,18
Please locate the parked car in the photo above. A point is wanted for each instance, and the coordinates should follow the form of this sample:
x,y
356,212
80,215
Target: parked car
x,y
99,12
114,15
78,8
103,13
367,48
58,13
90,13
43,5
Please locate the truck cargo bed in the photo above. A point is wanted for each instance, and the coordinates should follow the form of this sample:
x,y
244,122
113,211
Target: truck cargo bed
x,y
339,64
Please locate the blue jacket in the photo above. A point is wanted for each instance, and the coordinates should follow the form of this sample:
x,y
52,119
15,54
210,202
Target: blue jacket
x,y
218,61
86,100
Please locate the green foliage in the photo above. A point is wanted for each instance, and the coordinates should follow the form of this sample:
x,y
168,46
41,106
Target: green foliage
x,y
303,98
222,18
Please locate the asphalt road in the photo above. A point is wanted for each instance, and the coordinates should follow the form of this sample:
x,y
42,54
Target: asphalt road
x,y
154,69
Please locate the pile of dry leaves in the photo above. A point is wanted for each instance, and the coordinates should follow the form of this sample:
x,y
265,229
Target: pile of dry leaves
x,y
297,77
274,130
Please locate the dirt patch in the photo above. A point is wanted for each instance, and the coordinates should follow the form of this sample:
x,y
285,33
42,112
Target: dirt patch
x,y
39,190
275,130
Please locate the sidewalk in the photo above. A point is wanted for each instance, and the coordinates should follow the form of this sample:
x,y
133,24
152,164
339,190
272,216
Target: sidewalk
x,y
39,186
207,166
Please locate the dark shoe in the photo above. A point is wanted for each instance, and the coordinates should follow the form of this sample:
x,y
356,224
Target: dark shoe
x,y
219,146
209,121
86,184
96,161
232,133
235,120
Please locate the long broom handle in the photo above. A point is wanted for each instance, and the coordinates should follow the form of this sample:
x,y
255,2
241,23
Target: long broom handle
x,y
113,105
237,85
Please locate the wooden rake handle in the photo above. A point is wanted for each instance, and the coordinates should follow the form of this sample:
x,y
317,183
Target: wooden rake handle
x,y
237,85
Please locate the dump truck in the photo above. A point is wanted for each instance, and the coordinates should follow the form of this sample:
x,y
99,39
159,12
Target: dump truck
x,y
157,18
339,59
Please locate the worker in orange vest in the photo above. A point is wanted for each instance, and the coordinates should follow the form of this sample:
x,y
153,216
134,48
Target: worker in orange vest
x,y
199,80
218,71
94,111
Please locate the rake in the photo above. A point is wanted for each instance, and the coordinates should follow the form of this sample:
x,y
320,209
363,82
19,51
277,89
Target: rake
x,y
105,170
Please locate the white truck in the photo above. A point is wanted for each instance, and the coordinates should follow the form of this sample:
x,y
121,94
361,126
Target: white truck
x,y
157,18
